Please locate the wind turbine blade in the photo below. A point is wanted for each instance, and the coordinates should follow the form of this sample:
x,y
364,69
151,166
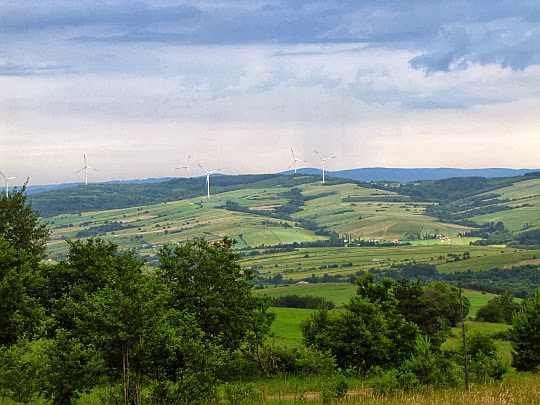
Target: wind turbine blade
x,y
292,164
318,154
78,171
84,157
294,157
11,178
3,175
206,171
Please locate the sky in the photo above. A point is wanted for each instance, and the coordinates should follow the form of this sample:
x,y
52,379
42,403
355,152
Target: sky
x,y
143,87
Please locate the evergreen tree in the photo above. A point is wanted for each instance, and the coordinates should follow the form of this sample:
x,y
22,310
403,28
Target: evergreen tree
x,y
20,225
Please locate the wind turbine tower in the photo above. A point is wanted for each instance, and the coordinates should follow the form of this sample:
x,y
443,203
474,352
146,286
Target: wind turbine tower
x,y
85,168
295,160
208,173
186,167
7,182
323,159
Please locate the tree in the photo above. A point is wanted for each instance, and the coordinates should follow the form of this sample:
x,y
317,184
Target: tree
x,y
430,308
22,247
526,335
445,300
20,225
205,280
20,284
370,332
499,309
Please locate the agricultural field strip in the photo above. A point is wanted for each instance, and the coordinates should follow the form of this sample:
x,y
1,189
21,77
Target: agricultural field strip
x,y
296,265
327,211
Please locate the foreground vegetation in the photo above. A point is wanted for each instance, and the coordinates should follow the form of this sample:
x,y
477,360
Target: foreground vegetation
x,y
103,326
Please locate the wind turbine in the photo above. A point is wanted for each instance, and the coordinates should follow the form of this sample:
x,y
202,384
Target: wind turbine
x,y
323,159
185,166
7,182
208,178
85,168
294,161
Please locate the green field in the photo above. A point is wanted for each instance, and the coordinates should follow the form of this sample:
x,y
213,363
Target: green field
x,y
307,261
286,327
147,227
525,196
339,293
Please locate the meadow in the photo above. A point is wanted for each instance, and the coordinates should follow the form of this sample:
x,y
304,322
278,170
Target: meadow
x,y
149,226
347,260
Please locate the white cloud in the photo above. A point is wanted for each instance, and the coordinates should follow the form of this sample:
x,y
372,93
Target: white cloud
x,y
140,102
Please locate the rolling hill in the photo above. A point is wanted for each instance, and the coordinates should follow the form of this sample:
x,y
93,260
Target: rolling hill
x,y
273,210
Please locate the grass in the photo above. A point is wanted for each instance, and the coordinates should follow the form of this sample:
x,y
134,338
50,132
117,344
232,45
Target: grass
x,y
516,389
339,293
504,348
177,221
307,261
286,327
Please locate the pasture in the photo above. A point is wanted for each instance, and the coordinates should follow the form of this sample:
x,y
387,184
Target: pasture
x,y
525,196
146,227
286,327
348,260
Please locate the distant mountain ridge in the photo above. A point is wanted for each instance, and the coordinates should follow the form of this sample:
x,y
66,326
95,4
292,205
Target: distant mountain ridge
x,y
368,174
41,188
402,175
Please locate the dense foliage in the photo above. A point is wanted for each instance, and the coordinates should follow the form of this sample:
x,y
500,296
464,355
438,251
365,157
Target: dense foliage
x,y
20,225
526,335
499,309
302,301
172,334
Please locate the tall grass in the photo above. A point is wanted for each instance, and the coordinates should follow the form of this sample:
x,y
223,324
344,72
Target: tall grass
x,y
520,389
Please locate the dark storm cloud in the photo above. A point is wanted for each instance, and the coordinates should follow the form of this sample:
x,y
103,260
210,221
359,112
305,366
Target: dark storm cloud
x,y
448,34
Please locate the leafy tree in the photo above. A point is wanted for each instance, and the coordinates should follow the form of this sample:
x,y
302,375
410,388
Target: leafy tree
x,y
484,363
370,332
445,299
526,335
499,309
20,225
23,366
205,280
20,283
429,308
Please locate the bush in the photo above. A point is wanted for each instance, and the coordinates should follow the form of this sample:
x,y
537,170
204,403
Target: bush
x,y
240,393
484,363
302,301
382,381
526,335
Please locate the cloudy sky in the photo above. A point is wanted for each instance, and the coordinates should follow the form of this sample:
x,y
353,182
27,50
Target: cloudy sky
x,y
138,86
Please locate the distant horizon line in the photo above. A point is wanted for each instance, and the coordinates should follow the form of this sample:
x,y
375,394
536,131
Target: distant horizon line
x,y
30,184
